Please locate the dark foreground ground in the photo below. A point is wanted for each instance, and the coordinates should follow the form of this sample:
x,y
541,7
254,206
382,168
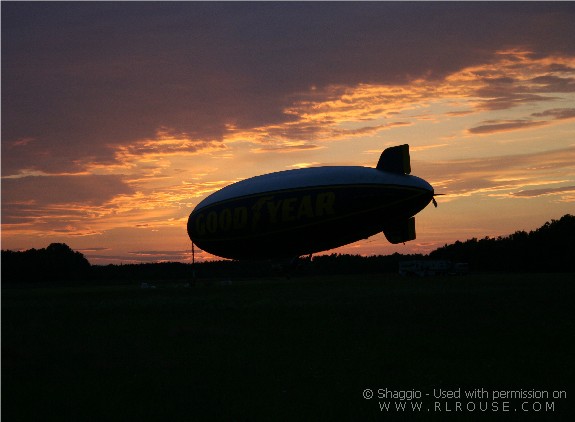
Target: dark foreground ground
x,y
300,349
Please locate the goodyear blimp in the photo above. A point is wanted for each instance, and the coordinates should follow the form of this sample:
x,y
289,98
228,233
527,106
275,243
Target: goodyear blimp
x,y
300,212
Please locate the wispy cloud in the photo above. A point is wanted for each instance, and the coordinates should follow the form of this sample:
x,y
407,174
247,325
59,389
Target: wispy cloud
x,y
305,165
286,147
161,255
513,78
165,144
80,189
93,249
498,174
494,126
530,193
557,113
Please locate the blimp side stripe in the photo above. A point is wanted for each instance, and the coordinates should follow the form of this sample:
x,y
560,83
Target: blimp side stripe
x,y
293,190
417,192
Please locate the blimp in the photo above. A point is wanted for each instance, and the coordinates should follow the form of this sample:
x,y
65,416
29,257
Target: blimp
x,y
300,212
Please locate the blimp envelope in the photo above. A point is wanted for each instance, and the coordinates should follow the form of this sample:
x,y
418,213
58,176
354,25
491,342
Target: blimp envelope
x,y
299,212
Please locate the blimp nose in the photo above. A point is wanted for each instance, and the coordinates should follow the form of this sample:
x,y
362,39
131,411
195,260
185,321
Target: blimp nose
x,y
430,194
428,197
424,196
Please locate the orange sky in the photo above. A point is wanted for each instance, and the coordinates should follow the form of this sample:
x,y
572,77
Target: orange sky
x,y
109,139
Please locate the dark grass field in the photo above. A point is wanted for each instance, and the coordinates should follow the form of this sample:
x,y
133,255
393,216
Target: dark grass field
x,y
299,349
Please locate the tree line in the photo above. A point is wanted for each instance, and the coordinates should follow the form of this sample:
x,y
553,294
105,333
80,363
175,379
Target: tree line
x,y
546,249
550,248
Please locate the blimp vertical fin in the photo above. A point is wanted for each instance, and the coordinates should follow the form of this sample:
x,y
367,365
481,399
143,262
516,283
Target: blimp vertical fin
x,y
401,231
395,160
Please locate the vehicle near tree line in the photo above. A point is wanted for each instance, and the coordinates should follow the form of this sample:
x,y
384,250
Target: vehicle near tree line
x,y
426,268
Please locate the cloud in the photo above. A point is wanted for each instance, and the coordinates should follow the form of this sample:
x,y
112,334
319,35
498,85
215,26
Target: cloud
x,y
323,114
161,255
505,99
84,80
163,147
286,147
494,126
426,147
304,165
459,113
68,189
530,193
66,205
557,113
87,205
195,189
553,83
92,249
501,92
151,256
495,174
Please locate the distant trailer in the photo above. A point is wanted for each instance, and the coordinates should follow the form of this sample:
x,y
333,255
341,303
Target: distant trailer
x,y
432,268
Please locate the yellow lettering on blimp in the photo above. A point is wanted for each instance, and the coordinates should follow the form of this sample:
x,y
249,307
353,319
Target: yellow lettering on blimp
x,y
225,220
240,218
267,209
273,208
288,209
324,204
212,222
201,224
305,209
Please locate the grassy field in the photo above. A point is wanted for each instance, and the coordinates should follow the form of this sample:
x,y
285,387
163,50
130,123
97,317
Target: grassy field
x,y
300,349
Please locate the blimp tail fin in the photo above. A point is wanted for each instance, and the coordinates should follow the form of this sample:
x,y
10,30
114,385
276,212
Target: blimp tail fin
x,y
395,160
400,232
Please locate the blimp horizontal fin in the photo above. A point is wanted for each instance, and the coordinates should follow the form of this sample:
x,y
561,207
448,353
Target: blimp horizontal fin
x,y
395,160
402,231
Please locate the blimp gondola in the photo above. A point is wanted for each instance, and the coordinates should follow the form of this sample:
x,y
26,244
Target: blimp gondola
x,y
292,213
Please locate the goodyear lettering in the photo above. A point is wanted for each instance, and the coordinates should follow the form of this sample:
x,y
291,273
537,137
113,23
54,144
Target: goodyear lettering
x,y
212,223
240,218
200,226
266,210
288,209
305,209
256,209
273,208
225,220
324,203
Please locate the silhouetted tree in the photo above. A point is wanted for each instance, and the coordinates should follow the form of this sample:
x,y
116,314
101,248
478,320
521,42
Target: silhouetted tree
x,y
57,262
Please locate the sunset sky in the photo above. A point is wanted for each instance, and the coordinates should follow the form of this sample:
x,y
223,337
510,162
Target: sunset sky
x,y
118,118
